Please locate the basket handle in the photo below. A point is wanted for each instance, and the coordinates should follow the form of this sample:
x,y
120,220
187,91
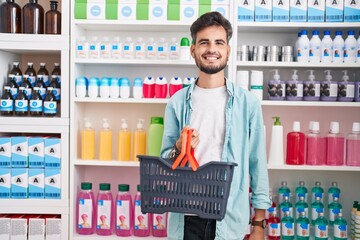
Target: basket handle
x,y
187,152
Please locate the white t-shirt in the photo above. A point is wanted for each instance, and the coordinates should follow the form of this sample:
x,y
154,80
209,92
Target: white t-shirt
x,y
208,118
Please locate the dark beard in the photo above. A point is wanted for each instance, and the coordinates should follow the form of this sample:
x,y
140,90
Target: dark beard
x,y
211,70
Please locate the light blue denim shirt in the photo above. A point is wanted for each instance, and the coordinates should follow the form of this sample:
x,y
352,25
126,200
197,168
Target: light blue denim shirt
x,y
244,144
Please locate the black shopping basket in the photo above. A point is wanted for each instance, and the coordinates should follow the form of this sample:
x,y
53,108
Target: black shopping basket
x,y
203,192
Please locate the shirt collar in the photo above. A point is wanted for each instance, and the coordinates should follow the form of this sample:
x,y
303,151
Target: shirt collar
x,y
228,83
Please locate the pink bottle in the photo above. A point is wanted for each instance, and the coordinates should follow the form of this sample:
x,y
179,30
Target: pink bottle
x,y
149,87
159,225
124,212
175,85
85,211
142,222
353,146
315,152
295,149
105,211
161,87
335,144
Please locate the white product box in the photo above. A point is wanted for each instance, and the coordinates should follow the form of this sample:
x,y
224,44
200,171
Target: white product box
x,y
36,152
298,10
223,9
53,228
18,227
19,151
5,223
157,11
36,229
188,12
5,183
36,183
127,10
246,11
263,10
220,2
334,11
95,9
351,10
316,10
281,10
19,182
5,152
52,183
52,152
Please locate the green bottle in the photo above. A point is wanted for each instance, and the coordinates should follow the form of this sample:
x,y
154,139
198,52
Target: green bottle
x,y
302,227
340,228
283,191
301,190
334,209
287,227
316,208
321,227
301,206
334,191
155,136
286,206
317,191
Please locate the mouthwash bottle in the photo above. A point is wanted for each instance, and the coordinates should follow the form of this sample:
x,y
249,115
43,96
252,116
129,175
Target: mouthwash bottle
x,y
321,227
56,88
50,105
334,209
6,102
286,206
302,227
36,103
27,86
274,227
317,207
301,206
13,85
270,211
333,192
317,191
124,211
21,103
283,191
301,191
85,210
287,227
335,144
352,145
105,211
340,228
41,86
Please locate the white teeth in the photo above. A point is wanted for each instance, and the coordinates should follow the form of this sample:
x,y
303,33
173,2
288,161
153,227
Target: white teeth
x,y
211,58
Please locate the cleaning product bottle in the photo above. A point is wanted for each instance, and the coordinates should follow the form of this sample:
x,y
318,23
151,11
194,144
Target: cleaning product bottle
x,y
315,146
329,88
338,49
6,102
301,191
334,209
124,142
85,210
174,49
81,87
104,88
87,141
140,48
276,87
286,206
295,148
346,89
315,47
303,227
303,48
161,87
283,191
116,48
350,48
185,49
30,71
301,206
155,136
321,227
317,191
175,85
44,73
50,104
274,227
287,227
151,49
276,155
105,211
326,48
142,222
105,141
317,207
333,192
294,88
353,146
311,88
124,87
128,48
335,143
340,228
21,103
137,88
139,146
124,211
149,87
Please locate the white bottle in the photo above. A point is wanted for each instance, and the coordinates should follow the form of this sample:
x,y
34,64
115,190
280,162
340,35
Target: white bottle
x,y
93,87
105,48
151,49
350,48
137,88
80,87
104,88
162,49
174,49
276,154
82,48
326,48
297,45
94,48
338,48
140,48
303,48
114,88
124,88
358,49
185,49
116,48
256,83
128,48
242,79
315,47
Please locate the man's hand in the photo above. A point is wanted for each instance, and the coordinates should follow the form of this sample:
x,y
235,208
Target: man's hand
x,y
257,233
194,139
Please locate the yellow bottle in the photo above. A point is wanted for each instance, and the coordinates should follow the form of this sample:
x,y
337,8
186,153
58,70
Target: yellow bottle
x,y
139,140
87,141
124,142
105,142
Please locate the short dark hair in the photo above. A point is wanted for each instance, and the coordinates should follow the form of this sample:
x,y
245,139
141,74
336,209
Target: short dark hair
x,y
211,19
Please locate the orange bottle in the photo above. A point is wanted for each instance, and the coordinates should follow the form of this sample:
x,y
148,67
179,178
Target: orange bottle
x,y
87,141
105,142
139,145
124,142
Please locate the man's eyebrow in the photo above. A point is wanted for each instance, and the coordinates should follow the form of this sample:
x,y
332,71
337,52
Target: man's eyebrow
x,y
207,40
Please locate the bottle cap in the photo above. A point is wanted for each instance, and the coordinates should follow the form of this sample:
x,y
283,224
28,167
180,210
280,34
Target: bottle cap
x,y
30,64
345,77
104,81
123,187
138,82
161,80
283,183
140,124
315,32
104,186
176,80
80,81
138,187
42,64
56,64
326,32
299,34
106,125
334,127
94,39
124,124
114,82
334,184
338,33
296,126
302,183
157,120
124,82
16,63
356,127
277,121
317,183
184,42
315,126
295,77
304,32
93,81
86,186
351,32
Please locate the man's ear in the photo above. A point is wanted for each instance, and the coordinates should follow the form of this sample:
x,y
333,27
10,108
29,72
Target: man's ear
x,y
192,50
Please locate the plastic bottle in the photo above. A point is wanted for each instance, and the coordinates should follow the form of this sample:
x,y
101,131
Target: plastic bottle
x,y
53,19
276,155
149,87
124,88
326,48
151,49
116,48
80,87
317,191
274,227
21,103
36,103
30,71
340,228
294,88
358,50
16,72
296,45
333,192
257,82
27,86
142,222
94,48
315,47
105,213
114,88
339,44
82,47
50,105
56,89
185,49
87,141
159,225
105,141
162,49
44,73
353,146
10,20
334,209
353,218
56,72
321,227
139,146
174,49
104,88
315,146
302,227
175,85
317,207
161,87
6,102
283,191
335,143
128,48
93,87
13,86
301,206
286,206
287,227
270,211
124,211
124,142
33,18
137,88
276,87
329,88
85,210
303,48
301,191
155,135
140,48
189,80
105,48
346,89
295,152
350,48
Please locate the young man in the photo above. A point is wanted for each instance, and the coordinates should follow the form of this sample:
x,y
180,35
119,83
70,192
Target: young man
x,y
228,126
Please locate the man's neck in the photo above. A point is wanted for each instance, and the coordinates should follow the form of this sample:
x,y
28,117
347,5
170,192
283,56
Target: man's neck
x,y
211,80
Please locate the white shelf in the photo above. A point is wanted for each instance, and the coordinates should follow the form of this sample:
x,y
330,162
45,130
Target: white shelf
x,y
121,100
152,62
314,168
309,103
113,163
296,65
34,124
112,237
34,206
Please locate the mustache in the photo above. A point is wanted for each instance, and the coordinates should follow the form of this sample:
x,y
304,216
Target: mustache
x,y
211,53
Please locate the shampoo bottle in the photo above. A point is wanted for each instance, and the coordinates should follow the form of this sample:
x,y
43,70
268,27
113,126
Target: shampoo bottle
x,y
124,142
124,211
149,87
346,89
276,155
142,222
295,151
139,140
329,88
156,131
175,85
335,143
105,141
353,146
105,211
161,87
294,88
315,150
311,88
276,87
85,211
87,141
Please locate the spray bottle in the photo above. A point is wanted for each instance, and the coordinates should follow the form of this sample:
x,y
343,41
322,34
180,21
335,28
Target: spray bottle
x,y
276,155
105,141
346,89
311,88
294,88
276,87
329,88
139,146
124,142
87,141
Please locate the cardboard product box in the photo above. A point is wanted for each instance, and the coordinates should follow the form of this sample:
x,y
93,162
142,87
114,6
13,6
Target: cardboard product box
x,y
334,10
19,152
36,152
316,10
19,227
351,10
53,227
36,183
158,11
52,152
126,10
5,183
263,10
19,182
52,183
246,11
5,223
298,10
5,152
36,228
90,9
281,10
